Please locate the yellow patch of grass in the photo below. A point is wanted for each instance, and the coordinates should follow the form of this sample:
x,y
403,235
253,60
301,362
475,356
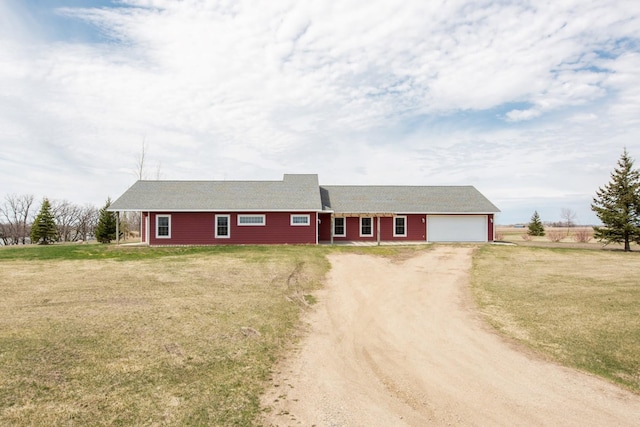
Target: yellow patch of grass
x,y
577,306
148,341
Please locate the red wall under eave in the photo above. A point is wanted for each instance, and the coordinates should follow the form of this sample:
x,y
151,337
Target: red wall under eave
x,y
198,228
324,227
416,229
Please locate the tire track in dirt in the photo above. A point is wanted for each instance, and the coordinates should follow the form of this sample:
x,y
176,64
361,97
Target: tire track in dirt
x,y
399,344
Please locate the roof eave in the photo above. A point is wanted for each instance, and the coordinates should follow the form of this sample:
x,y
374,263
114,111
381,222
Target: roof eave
x,y
209,210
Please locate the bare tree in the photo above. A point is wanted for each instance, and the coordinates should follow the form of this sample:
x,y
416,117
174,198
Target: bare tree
x,y
569,217
4,236
74,222
130,224
87,222
141,164
9,226
140,174
158,171
67,216
15,218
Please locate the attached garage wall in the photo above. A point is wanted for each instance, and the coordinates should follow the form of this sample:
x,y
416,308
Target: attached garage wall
x,y
457,228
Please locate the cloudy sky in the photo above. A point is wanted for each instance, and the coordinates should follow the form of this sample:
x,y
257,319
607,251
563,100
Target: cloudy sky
x,y
532,102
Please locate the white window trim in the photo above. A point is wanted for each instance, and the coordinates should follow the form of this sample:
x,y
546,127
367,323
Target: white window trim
x,y
228,235
300,224
264,220
344,227
158,236
405,226
366,235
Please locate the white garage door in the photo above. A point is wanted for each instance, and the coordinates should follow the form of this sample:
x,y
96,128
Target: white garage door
x,y
457,228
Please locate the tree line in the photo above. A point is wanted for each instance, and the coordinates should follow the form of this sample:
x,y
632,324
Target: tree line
x,y
63,221
58,221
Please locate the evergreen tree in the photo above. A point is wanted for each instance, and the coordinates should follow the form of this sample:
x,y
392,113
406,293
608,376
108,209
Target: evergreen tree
x,y
44,230
535,226
617,205
106,229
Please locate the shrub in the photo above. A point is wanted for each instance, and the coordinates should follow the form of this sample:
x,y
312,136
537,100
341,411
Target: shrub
x,y
555,235
583,235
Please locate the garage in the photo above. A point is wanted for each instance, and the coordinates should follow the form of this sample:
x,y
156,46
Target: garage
x,y
457,228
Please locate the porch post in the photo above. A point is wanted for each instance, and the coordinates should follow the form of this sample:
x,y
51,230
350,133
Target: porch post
x,y
117,227
333,224
378,228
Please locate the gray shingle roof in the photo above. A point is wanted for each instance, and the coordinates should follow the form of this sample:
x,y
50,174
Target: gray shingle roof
x,y
293,193
405,199
299,193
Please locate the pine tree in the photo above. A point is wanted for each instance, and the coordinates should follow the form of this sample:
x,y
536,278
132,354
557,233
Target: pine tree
x,y
617,205
44,230
535,226
106,229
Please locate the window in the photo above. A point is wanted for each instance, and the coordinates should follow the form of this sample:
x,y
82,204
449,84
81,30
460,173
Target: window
x,y
251,220
163,226
339,227
366,227
222,226
300,219
400,226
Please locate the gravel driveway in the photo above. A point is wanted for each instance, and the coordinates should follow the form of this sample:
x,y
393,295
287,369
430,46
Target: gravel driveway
x,y
400,344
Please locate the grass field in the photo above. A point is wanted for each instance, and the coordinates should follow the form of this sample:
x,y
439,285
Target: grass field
x,y
579,307
92,335
105,335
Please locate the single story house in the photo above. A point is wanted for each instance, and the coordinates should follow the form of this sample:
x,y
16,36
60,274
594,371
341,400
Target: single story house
x,y
297,210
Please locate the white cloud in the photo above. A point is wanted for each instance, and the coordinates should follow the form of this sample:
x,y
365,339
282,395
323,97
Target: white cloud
x,y
518,115
493,94
583,118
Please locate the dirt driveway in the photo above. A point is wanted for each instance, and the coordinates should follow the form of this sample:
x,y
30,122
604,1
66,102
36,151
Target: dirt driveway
x,y
399,343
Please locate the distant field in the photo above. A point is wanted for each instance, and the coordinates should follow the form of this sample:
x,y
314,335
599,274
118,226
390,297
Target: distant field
x,y
570,238
579,307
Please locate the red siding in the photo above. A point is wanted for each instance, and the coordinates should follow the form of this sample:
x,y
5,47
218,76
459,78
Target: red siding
x,y
324,227
353,231
198,228
415,229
